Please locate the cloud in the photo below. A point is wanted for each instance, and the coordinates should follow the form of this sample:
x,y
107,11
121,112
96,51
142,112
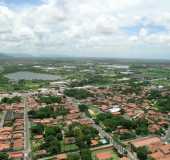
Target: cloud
x,y
76,26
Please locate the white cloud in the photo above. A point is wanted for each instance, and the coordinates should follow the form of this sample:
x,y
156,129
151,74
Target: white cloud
x,y
74,25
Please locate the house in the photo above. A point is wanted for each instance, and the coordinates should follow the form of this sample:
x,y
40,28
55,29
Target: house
x,y
153,128
124,158
40,153
163,153
16,155
61,157
4,147
94,142
146,141
157,149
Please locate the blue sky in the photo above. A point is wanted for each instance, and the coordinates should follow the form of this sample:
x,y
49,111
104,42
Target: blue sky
x,y
22,2
124,28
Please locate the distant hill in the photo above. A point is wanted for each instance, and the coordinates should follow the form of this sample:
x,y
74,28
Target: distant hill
x,y
14,55
4,56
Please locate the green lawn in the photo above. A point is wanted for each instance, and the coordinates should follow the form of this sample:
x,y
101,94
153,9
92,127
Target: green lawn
x,y
115,156
68,147
93,110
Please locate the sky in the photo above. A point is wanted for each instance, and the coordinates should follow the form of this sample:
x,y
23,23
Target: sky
x,y
86,28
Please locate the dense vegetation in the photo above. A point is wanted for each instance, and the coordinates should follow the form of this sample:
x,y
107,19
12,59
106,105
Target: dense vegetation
x,y
8,100
83,107
52,137
48,112
4,156
162,102
142,153
112,122
91,79
49,99
82,133
77,93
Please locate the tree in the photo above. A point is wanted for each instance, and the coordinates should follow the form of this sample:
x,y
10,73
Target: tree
x,y
52,131
142,127
45,112
154,94
4,156
111,121
83,107
73,156
77,93
7,100
164,104
37,129
86,154
49,99
54,147
142,153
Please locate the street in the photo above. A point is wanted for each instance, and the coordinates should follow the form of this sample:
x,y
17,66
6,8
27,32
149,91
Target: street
x,y
27,145
2,119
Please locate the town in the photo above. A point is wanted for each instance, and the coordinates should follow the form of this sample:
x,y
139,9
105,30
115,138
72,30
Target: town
x,y
86,109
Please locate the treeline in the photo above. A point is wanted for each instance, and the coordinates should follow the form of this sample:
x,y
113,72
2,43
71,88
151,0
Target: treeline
x,y
91,79
162,102
49,99
47,112
8,100
52,137
78,93
136,127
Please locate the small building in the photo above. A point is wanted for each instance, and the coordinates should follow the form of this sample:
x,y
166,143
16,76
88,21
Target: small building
x,y
61,157
16,155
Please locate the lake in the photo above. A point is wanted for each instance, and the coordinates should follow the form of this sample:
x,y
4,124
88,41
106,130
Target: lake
x,y
31,76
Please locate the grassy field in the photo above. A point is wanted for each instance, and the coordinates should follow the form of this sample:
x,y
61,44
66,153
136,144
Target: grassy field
x,y
115,157
93,110
68,147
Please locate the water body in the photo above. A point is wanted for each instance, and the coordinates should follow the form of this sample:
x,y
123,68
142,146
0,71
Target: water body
x,y
31,76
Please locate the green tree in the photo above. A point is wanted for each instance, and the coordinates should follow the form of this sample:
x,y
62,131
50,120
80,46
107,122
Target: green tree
x,y
83,107
50,99
37,129
4,156
54,147
77,93
142,153
73,156
86,154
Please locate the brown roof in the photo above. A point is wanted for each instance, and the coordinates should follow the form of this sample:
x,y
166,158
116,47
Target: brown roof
x,y
145,141
61,157
124,158
4,147
16,155
165,149
157,155
165,158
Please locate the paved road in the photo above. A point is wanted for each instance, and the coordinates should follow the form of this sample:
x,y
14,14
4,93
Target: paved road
x,y
120,149
27,143
167,136
2,119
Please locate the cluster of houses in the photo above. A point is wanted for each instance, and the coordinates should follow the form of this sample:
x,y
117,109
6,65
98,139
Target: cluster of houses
x,y
73,115
12,131
157,149
119,104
